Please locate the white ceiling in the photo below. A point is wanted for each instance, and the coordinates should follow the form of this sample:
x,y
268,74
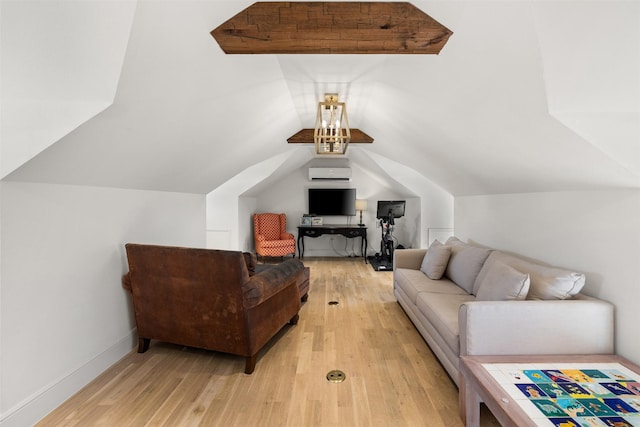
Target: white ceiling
x,y
526,96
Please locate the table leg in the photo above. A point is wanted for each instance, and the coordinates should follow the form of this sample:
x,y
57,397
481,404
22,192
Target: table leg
x,y
363,246
300,247
469,403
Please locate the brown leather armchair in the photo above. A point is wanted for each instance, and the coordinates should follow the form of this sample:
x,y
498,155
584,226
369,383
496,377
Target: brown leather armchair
x,y
210,299
271,236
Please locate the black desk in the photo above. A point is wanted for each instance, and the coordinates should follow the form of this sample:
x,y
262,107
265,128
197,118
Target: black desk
x,y
349,231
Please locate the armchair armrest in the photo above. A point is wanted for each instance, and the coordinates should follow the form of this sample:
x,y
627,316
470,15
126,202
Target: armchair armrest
x,y
287,236
577,326
267,283
260,238
408,258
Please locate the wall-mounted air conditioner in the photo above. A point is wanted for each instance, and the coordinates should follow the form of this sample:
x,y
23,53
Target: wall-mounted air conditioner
x,y
330,174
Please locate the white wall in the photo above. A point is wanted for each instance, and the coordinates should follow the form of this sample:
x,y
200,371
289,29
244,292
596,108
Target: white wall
x,y
246,209
429,207
65,316
228,216
222,220
596,232
435,207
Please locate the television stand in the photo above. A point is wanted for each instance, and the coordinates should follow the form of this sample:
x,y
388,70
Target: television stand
x,y
348,231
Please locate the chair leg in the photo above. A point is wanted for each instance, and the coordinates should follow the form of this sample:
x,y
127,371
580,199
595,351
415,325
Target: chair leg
x,y
143,344
294,319
250,364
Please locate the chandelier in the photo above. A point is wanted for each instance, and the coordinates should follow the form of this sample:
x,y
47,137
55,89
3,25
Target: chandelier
x,y
332,133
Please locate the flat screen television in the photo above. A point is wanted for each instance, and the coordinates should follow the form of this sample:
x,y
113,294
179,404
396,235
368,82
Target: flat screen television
x,y
332,201
386,207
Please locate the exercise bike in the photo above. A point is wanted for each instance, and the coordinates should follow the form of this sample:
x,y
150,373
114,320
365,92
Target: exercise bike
x,y
386,242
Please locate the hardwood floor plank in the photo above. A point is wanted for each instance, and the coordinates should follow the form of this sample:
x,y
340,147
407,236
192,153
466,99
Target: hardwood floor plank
x,y
392,377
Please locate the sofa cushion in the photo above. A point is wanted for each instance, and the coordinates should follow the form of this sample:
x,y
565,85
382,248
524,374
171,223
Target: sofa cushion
x,y
453,240
435,260
547,283
441,311
465,263
412,282
503,283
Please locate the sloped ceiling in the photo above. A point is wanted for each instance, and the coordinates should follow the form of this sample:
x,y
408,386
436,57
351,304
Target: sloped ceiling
x,y
60,67
525,96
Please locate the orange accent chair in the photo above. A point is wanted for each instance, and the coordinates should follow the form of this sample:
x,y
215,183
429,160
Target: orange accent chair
x,y
271,237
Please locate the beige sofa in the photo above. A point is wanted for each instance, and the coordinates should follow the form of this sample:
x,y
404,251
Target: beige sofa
x,y
488,302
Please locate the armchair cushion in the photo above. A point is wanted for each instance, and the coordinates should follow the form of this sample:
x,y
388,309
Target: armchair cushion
x,y
275,244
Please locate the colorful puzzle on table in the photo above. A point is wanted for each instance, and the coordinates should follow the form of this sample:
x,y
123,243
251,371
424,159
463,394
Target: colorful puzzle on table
x,y
573,395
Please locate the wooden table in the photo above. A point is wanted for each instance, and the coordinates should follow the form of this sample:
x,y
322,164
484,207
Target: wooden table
x,y
478,385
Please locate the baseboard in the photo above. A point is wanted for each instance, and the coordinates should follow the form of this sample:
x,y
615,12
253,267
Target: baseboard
x,y
39,404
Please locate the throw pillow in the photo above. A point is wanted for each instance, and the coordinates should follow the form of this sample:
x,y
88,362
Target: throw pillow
x,y
435,260
503,283
465,264
453,240
547,282
555,283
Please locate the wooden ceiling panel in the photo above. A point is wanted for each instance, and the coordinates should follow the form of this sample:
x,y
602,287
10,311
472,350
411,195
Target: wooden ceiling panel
x,y
331,27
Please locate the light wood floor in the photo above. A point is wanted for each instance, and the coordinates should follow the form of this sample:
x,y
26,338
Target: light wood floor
x,y
392,378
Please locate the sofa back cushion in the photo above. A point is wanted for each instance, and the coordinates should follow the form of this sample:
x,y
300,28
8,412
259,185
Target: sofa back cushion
x,y
547,283
503,283
435,260
465,263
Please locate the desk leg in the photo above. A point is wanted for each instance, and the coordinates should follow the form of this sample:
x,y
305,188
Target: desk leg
x,y
469,403
363,247
300,247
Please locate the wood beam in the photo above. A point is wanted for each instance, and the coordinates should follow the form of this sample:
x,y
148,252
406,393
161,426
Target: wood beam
x,y
305,136
331,27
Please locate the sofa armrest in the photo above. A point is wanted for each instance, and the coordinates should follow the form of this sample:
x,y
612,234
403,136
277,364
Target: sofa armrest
x,y
408,258
251,261
269,282
126,281
576,326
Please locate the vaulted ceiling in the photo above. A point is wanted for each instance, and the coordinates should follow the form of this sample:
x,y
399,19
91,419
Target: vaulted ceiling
x,y
525,96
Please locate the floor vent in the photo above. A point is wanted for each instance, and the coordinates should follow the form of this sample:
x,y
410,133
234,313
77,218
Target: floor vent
x,y
336,376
